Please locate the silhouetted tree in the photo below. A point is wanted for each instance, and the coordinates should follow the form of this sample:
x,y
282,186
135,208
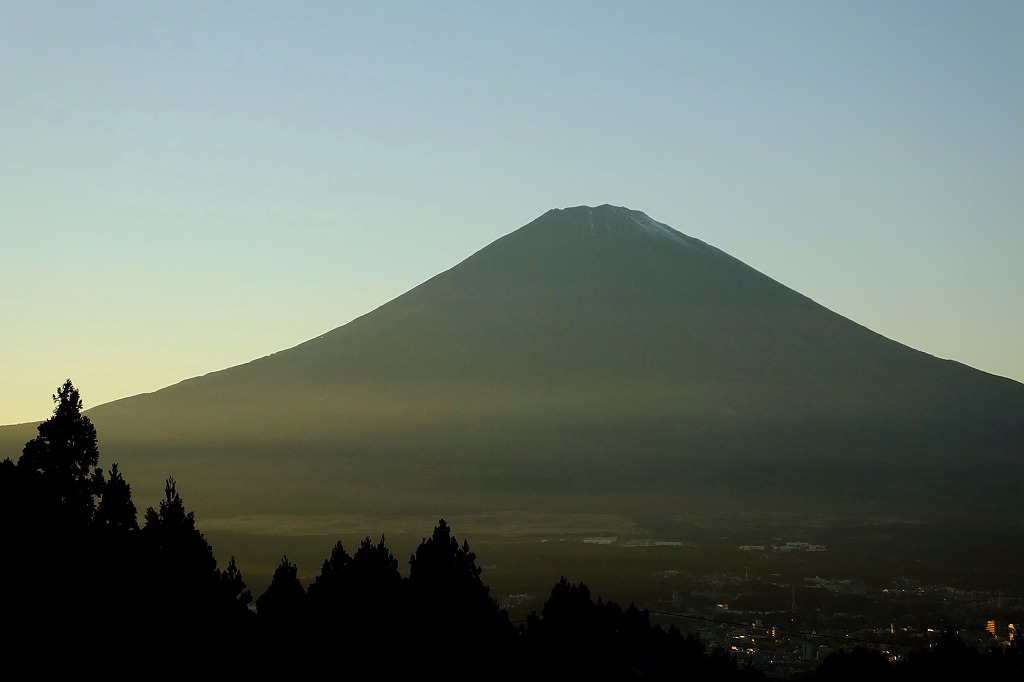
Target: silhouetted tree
x,y
68,574
357,600
183,607
439,562
452,604
330,593
171,535
284,600
576,638
282,625
235,596
376,586
62,461
181,581
117,567
569,607
115,512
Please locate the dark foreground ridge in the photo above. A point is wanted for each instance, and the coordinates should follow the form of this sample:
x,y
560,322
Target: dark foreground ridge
x,y
87,589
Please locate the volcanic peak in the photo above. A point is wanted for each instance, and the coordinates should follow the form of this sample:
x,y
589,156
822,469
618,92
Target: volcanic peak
x,y
609,220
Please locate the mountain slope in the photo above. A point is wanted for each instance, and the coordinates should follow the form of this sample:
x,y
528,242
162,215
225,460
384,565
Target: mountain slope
x,y
592,355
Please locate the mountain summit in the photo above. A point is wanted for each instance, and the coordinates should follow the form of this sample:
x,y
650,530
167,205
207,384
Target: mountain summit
x,y
594,292
594,357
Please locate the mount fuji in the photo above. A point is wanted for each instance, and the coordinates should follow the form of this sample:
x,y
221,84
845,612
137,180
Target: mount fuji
x,y
594,359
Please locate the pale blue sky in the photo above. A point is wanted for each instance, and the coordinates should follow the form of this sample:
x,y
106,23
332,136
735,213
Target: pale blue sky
x,y
188,186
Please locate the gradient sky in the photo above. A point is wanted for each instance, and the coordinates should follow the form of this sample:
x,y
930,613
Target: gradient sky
x,y
188,186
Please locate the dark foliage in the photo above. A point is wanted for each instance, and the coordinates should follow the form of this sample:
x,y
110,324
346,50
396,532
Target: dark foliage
x,y
950,659
853,666
234,596
578,638
283,605
62,463
54,561
451,603
85,569
181,568
116,515
332,592
376,587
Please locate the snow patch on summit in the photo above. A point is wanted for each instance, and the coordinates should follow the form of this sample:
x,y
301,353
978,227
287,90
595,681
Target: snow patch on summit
x,y
656,229
607,219
653,228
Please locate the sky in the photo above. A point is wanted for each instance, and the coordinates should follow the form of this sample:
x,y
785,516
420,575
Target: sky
x,y
188,186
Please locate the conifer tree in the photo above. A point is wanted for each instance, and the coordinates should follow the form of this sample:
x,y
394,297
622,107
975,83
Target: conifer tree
x,y
181,575
64,518
451,601
376,584
284,600
234,592
62,462
445,575
330,594
115,512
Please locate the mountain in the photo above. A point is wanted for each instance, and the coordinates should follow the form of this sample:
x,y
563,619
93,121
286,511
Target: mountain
x,y
592,360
